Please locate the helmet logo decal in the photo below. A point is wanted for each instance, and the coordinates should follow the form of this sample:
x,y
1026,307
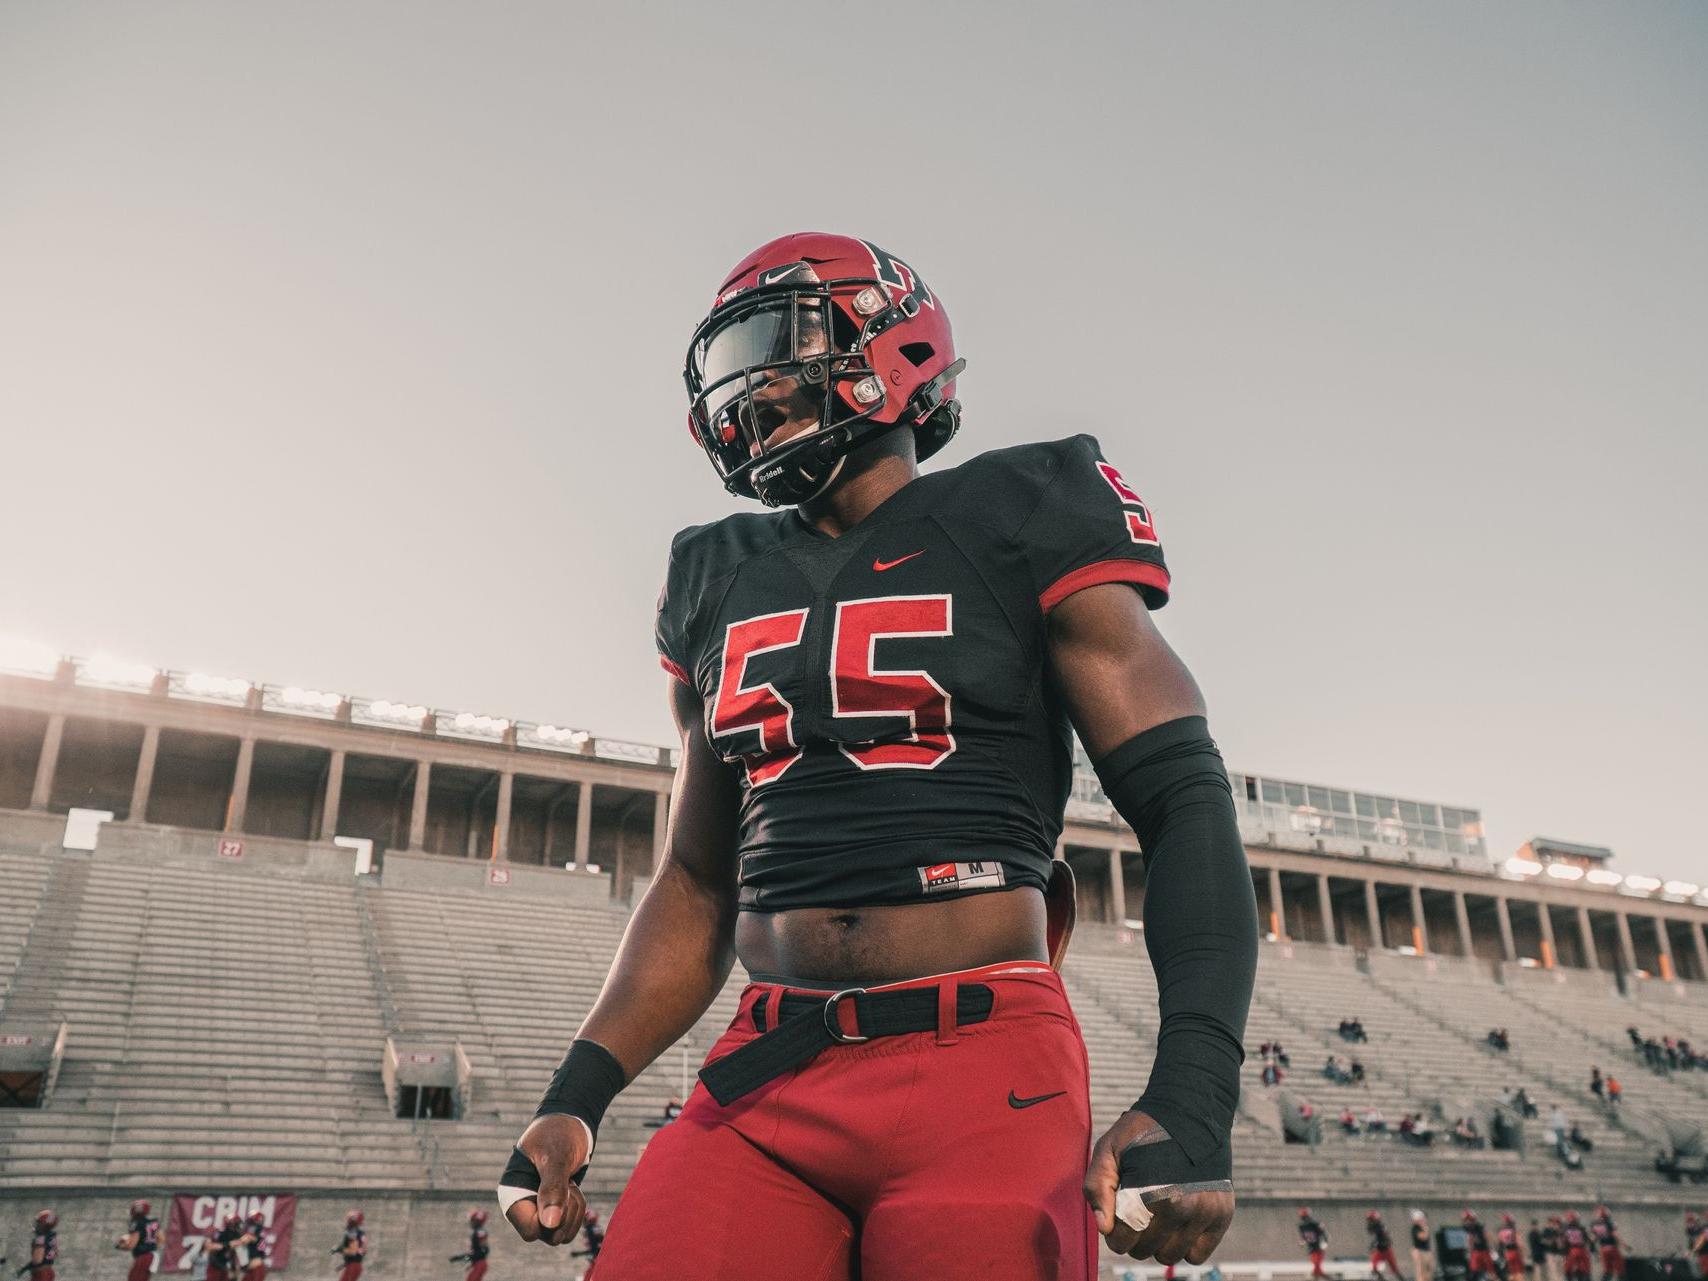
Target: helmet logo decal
x,y
898,276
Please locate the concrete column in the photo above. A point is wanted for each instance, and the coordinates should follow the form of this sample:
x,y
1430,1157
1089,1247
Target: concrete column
x,y
1277,906
1419,930
1117,888
237,808
1545,919
1627,952
144,782
1701,942
1374,913
1586,936
583,827
418,805
334,796
660,827
1669,967
1463,914
1503,914
48,762
501,821
1325,905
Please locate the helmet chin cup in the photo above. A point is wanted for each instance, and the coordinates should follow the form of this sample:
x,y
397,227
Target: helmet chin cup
x,y
803,473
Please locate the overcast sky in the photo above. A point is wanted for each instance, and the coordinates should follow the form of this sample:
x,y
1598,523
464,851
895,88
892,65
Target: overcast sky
x,y
341,345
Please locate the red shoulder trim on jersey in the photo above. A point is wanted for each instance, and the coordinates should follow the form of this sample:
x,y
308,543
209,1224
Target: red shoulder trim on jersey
x,y
675,669
1103,571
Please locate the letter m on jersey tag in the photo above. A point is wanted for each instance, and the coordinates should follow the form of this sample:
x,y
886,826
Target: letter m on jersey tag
x,y
1139,524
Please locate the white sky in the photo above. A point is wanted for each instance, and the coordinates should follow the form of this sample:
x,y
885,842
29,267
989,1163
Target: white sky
x,y
341,345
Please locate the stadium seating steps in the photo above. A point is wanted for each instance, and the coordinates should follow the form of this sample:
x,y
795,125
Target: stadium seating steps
x,y
228,1025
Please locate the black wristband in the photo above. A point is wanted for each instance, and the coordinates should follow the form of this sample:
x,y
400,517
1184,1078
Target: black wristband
x,y
1149,1165
584,1084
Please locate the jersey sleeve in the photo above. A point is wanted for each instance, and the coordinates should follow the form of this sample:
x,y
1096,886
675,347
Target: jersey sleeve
x,y
1089,527
670,625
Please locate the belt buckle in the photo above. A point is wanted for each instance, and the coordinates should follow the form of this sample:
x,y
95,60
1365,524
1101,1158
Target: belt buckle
x,y
830,1023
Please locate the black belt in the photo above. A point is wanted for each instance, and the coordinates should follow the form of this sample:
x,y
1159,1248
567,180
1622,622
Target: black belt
x,y
808,1025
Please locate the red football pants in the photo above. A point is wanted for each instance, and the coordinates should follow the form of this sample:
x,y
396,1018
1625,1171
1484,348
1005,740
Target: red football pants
x,y
1612,1261
141,1266
256,1271
1379,1257
351,1271
957,1155
476,1271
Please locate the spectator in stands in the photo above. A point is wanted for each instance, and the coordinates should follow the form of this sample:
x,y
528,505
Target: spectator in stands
x,y
254,1247
1415,1130
1606,1236
1355,1070
353,1248
1422,1250
1595,1082
1579,1140
44,1247
1334,1072
1498,1039
1353,1030
1465,1133
479,1247
1374,1121
1558,1124
1271,1074
1381,1247
1348,1122
1614,1093
1522,1102
1281,1056
1511,1256
142,1239
1479,1262
1636,1038
1576,1241
1315,1241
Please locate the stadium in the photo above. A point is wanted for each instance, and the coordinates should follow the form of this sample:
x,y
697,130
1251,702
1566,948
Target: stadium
x,y
297,950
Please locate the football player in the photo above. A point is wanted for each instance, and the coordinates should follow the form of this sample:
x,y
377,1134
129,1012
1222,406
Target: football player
x,y
479,1247
875,683
44,1248
353,1249
142,1239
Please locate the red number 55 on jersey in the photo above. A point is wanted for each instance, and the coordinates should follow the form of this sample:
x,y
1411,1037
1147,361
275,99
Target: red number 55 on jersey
x,y
858,687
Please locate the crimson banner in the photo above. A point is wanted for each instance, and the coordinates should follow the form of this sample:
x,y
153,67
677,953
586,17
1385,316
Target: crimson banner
x,y
194,1219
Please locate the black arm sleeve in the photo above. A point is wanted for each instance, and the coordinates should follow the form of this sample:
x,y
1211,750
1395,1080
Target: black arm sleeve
x,y
1200,928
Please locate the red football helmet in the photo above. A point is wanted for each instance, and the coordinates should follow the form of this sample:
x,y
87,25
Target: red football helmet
x,y
46,1219
138,1209
820,328
477,1217
353,1219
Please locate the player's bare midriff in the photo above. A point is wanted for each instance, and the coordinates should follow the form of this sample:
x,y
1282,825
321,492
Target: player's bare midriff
x,y
838,947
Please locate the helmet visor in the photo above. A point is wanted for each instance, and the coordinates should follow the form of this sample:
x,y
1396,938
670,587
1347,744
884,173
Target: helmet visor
x,y
759,375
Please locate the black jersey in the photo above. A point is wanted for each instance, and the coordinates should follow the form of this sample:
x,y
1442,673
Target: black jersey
x,y
1312,1234
146,1229
883,693
1419,1236
478,1246
1379,1238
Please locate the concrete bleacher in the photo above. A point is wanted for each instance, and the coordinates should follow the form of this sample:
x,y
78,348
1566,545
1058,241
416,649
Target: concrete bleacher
x,y
227,1023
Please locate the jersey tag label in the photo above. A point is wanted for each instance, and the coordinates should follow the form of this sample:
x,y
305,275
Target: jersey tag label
x,y
959,876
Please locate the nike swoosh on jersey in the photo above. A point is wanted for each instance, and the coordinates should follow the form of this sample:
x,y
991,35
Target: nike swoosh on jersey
x,y
1014,1101
881,565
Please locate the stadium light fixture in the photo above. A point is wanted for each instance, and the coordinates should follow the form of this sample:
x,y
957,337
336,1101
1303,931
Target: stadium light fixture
x,y
1602,876
28,658
1522,866
309,700
1685,889
1565,872
115,673
557,736
469,725
402,713
1644,884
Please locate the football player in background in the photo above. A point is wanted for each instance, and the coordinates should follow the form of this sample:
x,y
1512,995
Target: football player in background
x,y
255,1247
142,1239
479,1247
44,1247
875,684
353,1249
1315,1241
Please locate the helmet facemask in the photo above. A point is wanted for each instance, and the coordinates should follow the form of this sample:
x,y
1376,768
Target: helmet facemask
x,y
780,390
